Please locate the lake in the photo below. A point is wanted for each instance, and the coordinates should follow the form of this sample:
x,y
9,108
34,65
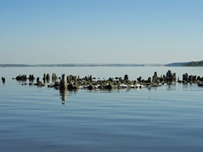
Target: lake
x,y
166,118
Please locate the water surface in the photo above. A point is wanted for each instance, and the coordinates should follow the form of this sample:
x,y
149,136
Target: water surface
x,y
167,118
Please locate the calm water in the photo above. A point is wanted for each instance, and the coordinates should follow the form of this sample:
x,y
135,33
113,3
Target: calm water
x,y
167,118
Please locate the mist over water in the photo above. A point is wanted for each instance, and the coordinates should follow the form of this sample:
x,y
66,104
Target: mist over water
x,y
166,118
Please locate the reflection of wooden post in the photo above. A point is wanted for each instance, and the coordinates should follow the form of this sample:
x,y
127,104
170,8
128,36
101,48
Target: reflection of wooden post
x,y
63,83
63,93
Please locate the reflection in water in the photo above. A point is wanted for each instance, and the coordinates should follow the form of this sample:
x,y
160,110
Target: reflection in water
x,y
63,94
171,86
63,103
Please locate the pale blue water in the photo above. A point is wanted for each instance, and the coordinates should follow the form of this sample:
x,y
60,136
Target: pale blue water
x,y
167,118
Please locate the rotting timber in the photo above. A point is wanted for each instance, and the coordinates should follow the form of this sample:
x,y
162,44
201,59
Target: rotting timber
x,y
71,82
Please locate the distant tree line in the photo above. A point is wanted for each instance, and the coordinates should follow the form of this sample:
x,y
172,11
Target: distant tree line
x,y
194,63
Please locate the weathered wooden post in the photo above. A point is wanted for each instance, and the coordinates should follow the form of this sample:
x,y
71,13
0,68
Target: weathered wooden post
x,y
63,87
149,80
37,79
3,79
126,77
63,82
54,77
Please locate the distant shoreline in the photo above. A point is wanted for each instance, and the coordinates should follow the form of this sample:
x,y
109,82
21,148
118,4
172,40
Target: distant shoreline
x,y
175,64
85,65
76,65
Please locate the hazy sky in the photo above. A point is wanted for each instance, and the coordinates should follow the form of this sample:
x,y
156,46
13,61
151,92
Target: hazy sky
x,y
100,31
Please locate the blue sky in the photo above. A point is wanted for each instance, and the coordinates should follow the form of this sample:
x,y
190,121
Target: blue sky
x,y
51,32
